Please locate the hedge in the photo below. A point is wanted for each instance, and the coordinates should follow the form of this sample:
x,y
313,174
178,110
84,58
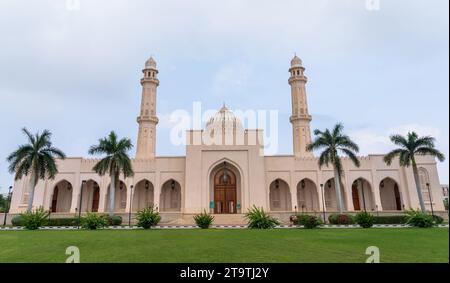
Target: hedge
x,y
395,219
73,221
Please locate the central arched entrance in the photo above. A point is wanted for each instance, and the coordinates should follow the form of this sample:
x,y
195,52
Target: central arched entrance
x,y
225,192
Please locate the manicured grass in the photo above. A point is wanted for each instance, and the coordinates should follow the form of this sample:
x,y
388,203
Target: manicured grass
x,y
214,245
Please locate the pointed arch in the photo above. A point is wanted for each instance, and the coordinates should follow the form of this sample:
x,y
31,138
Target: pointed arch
x,y
143,195
390,195
307,196
280,196
61,199
170,198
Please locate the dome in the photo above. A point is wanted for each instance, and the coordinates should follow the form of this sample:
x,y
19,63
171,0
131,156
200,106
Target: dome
x,y
296,62
224,119
150,63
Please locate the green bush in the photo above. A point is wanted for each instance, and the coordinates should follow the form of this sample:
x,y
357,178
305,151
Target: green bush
x,y
437,219
310,221
93,221
204,220
340,219
17,220
420,219
394,219
148,218
62,222
114,220
364,219
34,219
258,219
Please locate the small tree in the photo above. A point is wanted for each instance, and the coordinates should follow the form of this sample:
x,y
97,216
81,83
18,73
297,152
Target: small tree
x,y
408,148
36,158
332,143
114,163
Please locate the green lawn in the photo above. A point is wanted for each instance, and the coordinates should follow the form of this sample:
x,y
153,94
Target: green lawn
x,y
214,245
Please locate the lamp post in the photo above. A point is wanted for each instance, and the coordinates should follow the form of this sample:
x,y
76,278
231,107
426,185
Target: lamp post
x,y
364,198
431,201
81,200
131,204
323,203
9,205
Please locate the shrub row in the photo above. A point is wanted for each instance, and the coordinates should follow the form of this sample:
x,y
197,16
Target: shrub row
x,y
18,220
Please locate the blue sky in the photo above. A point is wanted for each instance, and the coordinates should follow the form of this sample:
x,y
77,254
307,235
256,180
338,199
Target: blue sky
x,y
76,72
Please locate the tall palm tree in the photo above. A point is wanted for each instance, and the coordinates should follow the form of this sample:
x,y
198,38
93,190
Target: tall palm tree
x,y
409,147
36,158
114,163
332,143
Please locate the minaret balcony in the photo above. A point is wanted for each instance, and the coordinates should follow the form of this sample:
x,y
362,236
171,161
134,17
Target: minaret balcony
x,y
151,119
298,79
303,117
150,80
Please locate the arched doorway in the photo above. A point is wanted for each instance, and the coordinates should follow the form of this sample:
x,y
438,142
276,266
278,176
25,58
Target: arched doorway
x,y
280,196
307,196
362,195
61,199
225,192
143,195
225,188
390,195
331,198
91,197
170,196
120,201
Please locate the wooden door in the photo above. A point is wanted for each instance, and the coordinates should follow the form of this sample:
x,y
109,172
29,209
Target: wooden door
x,y
95,199
225,195
355,195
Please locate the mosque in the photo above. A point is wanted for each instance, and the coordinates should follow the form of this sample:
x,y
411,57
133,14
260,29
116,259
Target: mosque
x,y
228,176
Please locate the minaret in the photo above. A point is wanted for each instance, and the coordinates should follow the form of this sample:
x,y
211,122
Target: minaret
x,y
300,118
147,120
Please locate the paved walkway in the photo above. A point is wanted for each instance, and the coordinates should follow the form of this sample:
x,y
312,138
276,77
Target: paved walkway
x,y
217,227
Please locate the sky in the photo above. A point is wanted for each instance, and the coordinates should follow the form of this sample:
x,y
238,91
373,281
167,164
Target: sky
x,y
73,67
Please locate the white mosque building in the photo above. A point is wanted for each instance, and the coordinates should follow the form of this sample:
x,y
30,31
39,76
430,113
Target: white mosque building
x,y
227,178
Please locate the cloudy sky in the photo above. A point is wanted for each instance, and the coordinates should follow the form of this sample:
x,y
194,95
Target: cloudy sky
x,y
75,69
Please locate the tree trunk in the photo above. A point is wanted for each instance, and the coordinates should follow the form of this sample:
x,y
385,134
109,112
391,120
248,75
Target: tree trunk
x,y
31,192
112,195
418,186
337,187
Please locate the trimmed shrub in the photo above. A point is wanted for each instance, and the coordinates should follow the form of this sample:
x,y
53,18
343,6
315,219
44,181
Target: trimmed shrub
x,y
204,220
417,218
395,219
310,221
93,221
148,217
437,219
340,219
364,219
17,220
258,219
62,222
35,219
114,220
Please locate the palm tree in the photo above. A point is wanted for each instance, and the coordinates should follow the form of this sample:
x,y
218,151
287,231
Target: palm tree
x,y
332,143
114,163
35,158
409,147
